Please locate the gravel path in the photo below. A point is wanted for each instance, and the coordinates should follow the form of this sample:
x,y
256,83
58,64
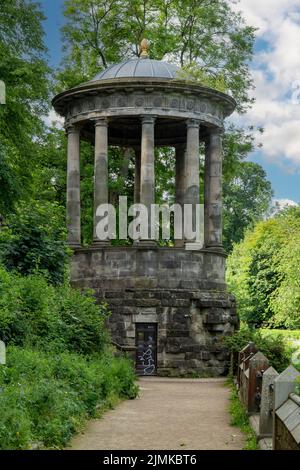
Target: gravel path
x,y
169,414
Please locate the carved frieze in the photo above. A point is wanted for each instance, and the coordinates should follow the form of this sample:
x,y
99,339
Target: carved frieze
x,y
169,103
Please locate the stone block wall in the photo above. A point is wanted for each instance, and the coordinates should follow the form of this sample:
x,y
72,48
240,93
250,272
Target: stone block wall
x,y
145,268
182,292
190,325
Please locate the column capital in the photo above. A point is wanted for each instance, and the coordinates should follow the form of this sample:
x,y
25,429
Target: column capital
x,y
193,123
216,131
72,129
148,119
100,122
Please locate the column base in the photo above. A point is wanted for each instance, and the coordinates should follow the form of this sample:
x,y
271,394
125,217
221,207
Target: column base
x,y
179,243
74,246
218,248
193,246
146,243
101,243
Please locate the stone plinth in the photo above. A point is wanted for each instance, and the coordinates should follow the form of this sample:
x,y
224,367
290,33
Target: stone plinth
x,y
180,291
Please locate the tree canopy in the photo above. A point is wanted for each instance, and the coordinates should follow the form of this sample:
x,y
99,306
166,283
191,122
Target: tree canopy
x,y
213,45
206,36
247,198
25,73
263,272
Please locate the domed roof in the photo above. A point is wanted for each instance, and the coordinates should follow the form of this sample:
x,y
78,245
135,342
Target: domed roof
x,y
141,67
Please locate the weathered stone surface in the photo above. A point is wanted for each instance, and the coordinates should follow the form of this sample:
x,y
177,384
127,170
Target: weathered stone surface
x,y
191,322
159,98
287,424
2,353
73,187
182,290
115,268
286,436
267,399
284,385
257,365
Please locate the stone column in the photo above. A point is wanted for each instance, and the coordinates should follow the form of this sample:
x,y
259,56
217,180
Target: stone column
x,y
180,153
192,167
73,187
100,170
137,175
213,190
147,188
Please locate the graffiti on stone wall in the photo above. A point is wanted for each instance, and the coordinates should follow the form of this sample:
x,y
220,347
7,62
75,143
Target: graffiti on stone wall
x,y
147,360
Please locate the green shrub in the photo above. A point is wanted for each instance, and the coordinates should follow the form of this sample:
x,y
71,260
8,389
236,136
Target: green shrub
x,y
60,368
15,424
263,272
276,349
46,397
33,240
35,313
80,320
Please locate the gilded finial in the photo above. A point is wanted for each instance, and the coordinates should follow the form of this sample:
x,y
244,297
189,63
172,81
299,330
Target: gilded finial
x,y
144,48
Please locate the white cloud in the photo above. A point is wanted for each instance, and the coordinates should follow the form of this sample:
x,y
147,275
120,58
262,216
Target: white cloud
x,y
53,119
278,205
265,14
276,72
288,133
284,202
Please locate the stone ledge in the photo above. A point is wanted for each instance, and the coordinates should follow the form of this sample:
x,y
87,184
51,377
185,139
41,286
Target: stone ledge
x,y
214,319
126,249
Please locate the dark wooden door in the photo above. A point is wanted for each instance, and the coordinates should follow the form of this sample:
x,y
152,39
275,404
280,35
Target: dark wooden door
x,y
146,343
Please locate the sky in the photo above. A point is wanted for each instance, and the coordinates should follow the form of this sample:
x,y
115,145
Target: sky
x,y
276,73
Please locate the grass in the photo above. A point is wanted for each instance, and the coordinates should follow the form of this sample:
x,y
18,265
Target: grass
x,y
292,336
240,419
291,339
45,398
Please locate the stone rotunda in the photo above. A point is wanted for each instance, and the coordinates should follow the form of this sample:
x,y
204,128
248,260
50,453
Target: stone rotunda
x,y
170,308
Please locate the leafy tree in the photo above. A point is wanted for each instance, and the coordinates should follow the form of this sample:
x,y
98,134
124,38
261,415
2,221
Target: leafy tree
x,y
194,33
49,176
32,172
252,272
263,272
33,241
285,300
25,73
213,46
263,279
247,197
206,36
9,186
